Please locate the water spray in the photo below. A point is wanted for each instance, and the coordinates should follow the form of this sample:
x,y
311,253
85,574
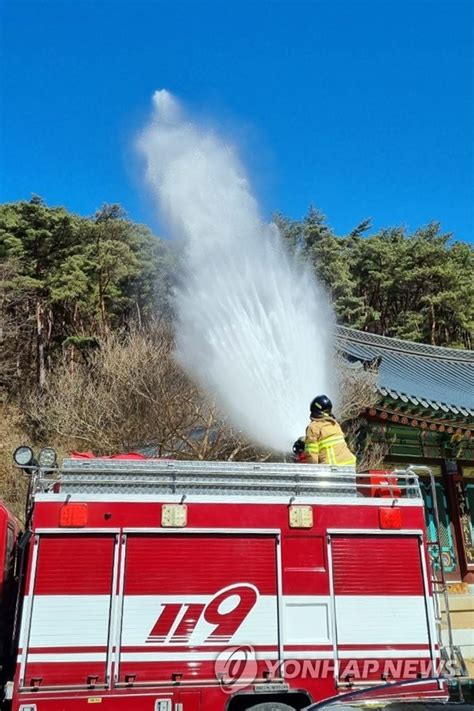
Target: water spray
x,y
253,326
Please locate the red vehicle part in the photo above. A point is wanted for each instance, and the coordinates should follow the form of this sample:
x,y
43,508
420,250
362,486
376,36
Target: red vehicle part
x,y
221,597
379,483
8,536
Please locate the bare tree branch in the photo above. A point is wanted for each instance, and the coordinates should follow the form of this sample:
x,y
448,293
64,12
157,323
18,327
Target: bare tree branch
x,y
132,394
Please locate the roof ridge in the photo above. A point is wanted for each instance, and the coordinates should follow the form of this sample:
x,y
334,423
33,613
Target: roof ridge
x,y
425,350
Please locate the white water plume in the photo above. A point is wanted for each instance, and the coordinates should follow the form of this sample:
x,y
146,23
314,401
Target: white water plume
x,y
254,328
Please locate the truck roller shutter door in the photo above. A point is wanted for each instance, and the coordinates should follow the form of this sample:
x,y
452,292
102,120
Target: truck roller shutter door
x,y
68,634
380,607
189,597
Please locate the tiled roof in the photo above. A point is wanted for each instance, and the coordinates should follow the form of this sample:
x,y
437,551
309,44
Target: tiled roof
x,y
430,376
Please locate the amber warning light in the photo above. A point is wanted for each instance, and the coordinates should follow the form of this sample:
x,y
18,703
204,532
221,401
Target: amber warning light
x,y
73,515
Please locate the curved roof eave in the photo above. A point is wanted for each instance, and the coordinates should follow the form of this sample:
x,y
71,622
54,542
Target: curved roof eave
x,y
429,376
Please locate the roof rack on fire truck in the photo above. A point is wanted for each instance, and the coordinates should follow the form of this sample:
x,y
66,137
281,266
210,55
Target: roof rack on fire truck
x,y
160,476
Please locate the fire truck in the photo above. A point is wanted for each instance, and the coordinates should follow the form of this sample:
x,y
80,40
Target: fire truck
x,y
160,585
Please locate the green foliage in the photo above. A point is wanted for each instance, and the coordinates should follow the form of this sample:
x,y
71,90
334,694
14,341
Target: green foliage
x,y
417,286
68,280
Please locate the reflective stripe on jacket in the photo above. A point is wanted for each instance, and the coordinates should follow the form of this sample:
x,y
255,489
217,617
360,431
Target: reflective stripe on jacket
x,y
325,443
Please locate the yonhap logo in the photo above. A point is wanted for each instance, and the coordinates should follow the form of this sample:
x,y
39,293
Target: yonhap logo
x,y
236,668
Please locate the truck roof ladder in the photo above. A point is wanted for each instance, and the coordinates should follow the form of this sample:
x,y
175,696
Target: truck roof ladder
x,y
449,652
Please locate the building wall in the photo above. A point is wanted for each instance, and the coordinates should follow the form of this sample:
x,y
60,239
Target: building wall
x,y
461,606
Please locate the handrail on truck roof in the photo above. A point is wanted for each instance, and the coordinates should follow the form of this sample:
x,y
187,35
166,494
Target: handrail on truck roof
x,y
155,476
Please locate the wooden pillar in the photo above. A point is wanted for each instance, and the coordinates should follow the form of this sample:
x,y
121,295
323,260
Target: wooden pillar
x,y
465,533
458,508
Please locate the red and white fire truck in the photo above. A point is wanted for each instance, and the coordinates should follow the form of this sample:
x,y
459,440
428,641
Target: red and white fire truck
x,y
155,585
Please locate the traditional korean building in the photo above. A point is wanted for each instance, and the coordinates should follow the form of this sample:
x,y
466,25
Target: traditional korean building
x,y
425,415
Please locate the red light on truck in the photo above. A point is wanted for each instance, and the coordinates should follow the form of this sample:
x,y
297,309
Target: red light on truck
x,y
390,517
73,515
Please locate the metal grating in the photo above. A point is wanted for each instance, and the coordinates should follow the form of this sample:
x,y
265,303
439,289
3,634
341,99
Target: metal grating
x,y
183,477
105,476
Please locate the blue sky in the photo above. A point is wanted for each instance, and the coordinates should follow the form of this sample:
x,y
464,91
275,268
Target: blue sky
x,y
362,107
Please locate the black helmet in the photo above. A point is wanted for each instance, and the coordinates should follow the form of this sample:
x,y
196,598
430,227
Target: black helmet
x,y
298,446
321,405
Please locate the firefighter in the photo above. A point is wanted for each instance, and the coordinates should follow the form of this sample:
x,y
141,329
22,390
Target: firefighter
x,y
298,450
324,441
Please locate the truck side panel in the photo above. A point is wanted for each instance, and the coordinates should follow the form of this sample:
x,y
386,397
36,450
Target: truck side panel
x,y
65,630
187,596
382,609
125,613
